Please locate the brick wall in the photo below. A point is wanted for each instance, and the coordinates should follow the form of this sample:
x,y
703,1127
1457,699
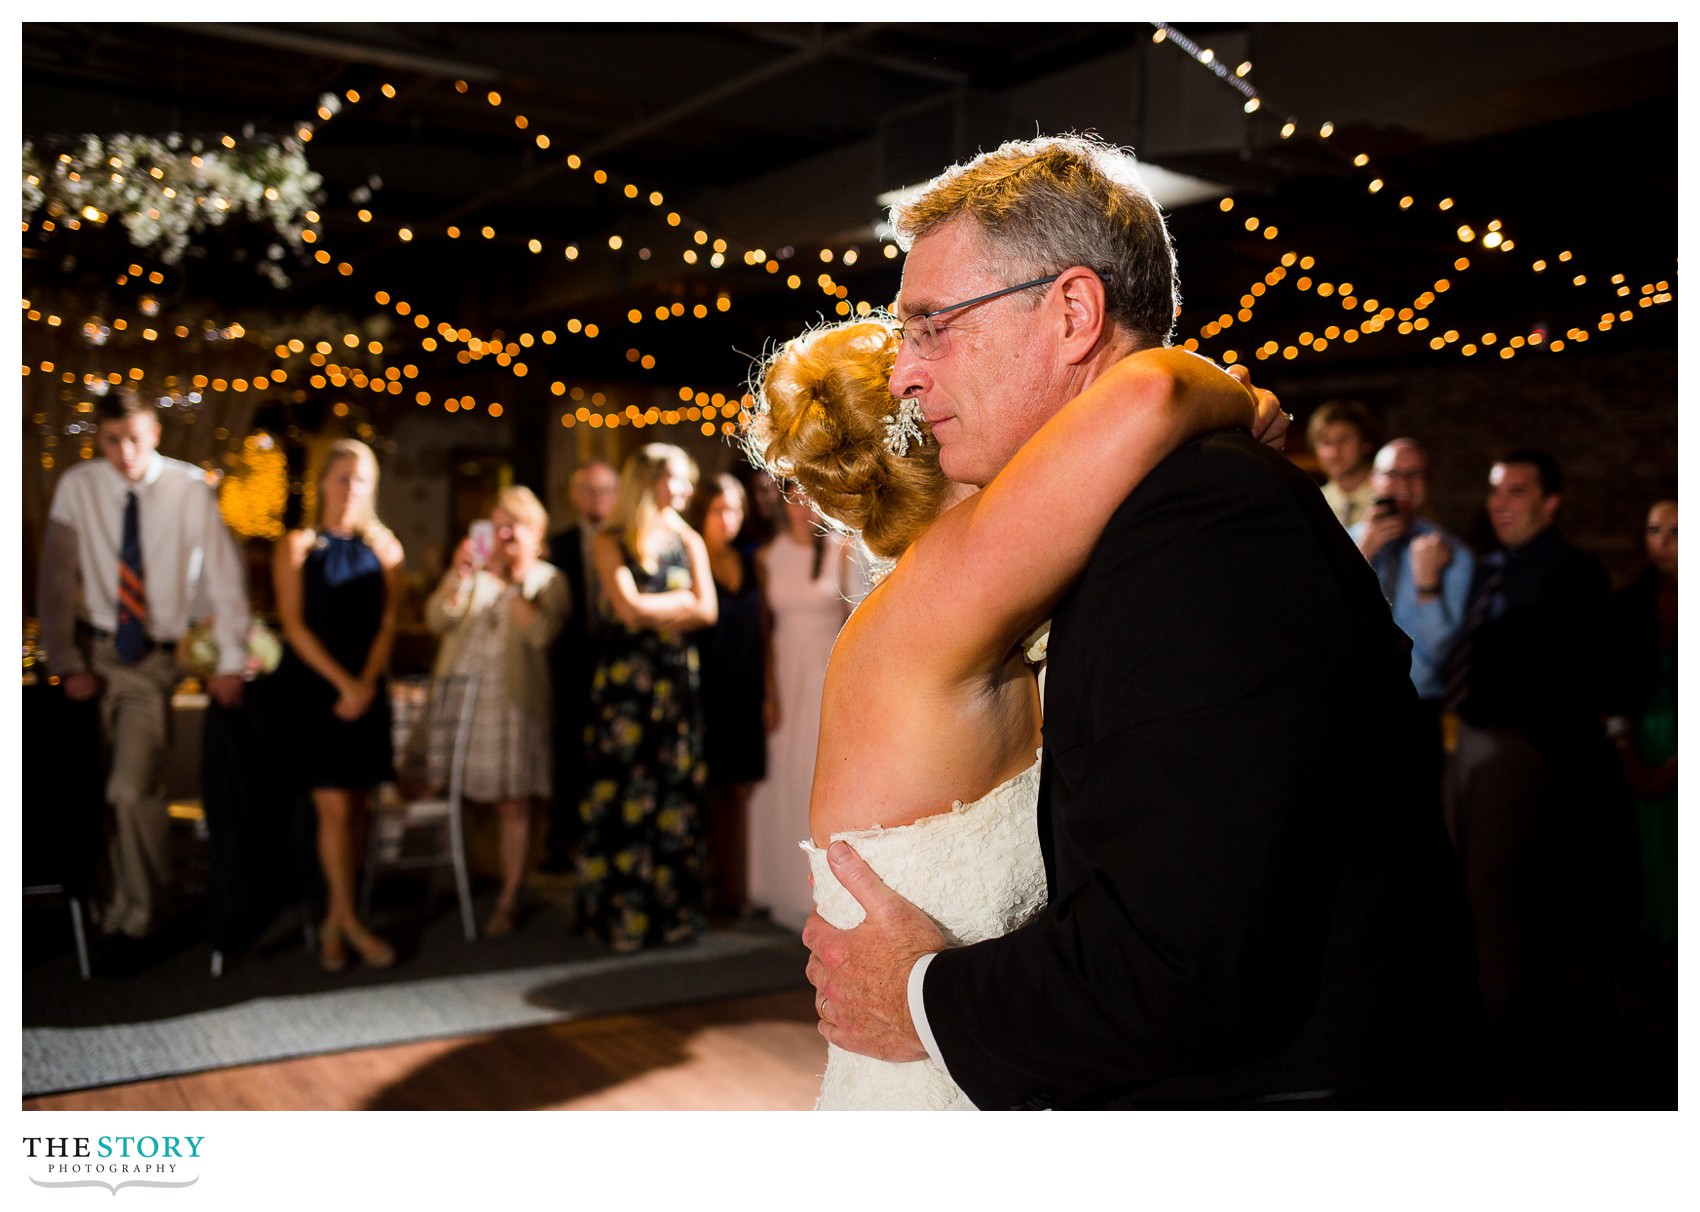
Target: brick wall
x,y
1610,421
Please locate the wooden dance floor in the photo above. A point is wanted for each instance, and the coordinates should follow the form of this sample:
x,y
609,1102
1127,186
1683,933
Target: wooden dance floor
x,y
758,1053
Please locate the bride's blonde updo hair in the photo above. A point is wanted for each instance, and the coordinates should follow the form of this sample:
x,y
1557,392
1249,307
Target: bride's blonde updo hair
x,y
821,407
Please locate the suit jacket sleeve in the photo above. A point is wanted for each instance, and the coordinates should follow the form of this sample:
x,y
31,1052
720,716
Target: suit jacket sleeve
x,y
551,601
1193,793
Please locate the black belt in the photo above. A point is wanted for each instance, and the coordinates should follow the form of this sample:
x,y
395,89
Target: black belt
x,y
150,645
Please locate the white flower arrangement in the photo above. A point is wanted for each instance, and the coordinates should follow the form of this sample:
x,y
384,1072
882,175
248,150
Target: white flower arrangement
x,y
199,650
162,194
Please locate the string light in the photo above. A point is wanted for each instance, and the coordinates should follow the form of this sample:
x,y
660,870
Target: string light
x,y
1379,318
1491,238
655,199
612,417
1206,58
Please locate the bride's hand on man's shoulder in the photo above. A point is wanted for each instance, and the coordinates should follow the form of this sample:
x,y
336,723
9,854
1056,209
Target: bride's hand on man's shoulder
x,y
1271,423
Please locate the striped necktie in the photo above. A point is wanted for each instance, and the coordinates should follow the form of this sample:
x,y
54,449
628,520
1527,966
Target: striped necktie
x,y
132,636
1483,607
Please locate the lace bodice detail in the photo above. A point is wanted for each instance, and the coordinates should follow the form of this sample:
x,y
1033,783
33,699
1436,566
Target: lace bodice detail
x,y
977,871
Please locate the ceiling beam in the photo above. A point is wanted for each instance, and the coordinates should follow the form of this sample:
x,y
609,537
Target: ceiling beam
x,y
901,64
819,49
325,47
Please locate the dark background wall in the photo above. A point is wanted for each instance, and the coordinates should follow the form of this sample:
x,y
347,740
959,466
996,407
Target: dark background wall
x,y
1609,419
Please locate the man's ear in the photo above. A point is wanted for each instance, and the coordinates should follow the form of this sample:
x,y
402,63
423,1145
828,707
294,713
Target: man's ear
x,y
1079,294
1549,507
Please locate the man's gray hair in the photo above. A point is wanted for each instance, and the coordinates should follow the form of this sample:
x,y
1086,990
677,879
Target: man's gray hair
x,y
1046,204
1384,456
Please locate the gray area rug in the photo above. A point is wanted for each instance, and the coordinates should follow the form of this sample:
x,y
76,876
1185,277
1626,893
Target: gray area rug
x,y
724,963
272,1002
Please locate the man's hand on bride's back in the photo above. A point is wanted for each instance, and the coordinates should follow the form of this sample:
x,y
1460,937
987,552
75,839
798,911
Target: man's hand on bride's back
x,y
1270,426
861,975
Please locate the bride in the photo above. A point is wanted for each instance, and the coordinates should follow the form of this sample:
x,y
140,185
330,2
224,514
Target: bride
x,y
930,717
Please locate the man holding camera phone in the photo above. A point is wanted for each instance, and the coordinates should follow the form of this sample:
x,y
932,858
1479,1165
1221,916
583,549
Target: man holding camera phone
x,y
1424,571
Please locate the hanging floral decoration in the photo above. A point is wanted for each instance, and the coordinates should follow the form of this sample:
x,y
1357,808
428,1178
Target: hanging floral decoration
x,y
165,192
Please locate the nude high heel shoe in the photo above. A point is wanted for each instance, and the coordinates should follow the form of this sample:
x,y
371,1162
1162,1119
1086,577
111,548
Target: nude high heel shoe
x,y
373,950
332,957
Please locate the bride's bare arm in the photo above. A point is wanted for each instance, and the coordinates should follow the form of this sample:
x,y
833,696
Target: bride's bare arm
x,y
995,564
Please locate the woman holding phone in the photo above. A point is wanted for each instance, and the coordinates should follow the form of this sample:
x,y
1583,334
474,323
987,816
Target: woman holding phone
x,y
498,609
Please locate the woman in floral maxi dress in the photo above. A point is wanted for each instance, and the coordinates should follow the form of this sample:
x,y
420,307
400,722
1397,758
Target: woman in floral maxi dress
x,y
641,863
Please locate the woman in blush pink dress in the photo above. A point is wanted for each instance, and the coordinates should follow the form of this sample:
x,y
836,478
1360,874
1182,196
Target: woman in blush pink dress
x,y
809,577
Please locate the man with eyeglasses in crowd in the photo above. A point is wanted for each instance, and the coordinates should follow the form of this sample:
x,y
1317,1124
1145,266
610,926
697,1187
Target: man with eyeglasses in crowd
x,y
1249,905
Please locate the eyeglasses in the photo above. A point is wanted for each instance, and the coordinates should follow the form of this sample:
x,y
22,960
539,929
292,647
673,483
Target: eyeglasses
x,y
928,340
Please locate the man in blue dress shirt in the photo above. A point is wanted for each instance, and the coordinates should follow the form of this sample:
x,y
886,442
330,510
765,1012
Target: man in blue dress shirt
x,y
1424,570
1425,574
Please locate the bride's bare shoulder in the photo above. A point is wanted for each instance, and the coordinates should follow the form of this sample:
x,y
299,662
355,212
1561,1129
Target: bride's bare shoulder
x,y
932,733
872,631
929,605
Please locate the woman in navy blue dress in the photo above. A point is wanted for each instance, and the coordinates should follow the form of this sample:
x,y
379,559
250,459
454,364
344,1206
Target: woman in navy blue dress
x,y
739,703
338,590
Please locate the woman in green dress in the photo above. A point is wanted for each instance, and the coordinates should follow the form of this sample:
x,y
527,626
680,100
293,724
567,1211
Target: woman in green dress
x,y
1644,723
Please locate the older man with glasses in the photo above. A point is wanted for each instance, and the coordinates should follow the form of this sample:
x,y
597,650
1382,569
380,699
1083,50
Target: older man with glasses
x,y
1249,904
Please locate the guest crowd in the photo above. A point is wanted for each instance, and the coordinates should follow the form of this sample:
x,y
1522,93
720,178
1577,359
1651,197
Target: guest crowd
x,y
648,682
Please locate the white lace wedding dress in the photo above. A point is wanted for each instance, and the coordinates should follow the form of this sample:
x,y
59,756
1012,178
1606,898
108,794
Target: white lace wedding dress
x,y
975,870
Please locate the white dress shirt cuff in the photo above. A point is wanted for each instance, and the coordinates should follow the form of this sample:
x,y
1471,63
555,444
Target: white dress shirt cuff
x,y
918,1010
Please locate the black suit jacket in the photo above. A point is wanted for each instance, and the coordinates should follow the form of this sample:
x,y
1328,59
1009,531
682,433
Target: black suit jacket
x,y
566,552
572,663
1252,902
1536,664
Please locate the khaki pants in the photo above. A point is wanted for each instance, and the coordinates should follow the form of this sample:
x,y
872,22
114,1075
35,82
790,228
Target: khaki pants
x,y
135,711
1499,818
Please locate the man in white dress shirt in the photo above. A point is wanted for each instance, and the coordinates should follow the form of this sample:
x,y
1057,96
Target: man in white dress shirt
x,y
134,540
1340,434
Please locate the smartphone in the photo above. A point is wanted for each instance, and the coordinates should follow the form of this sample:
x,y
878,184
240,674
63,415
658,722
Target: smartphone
x,y
1384,506
483,538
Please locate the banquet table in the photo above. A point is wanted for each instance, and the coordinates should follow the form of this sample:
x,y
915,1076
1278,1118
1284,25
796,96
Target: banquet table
x,y
232,767
63,789
258,818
